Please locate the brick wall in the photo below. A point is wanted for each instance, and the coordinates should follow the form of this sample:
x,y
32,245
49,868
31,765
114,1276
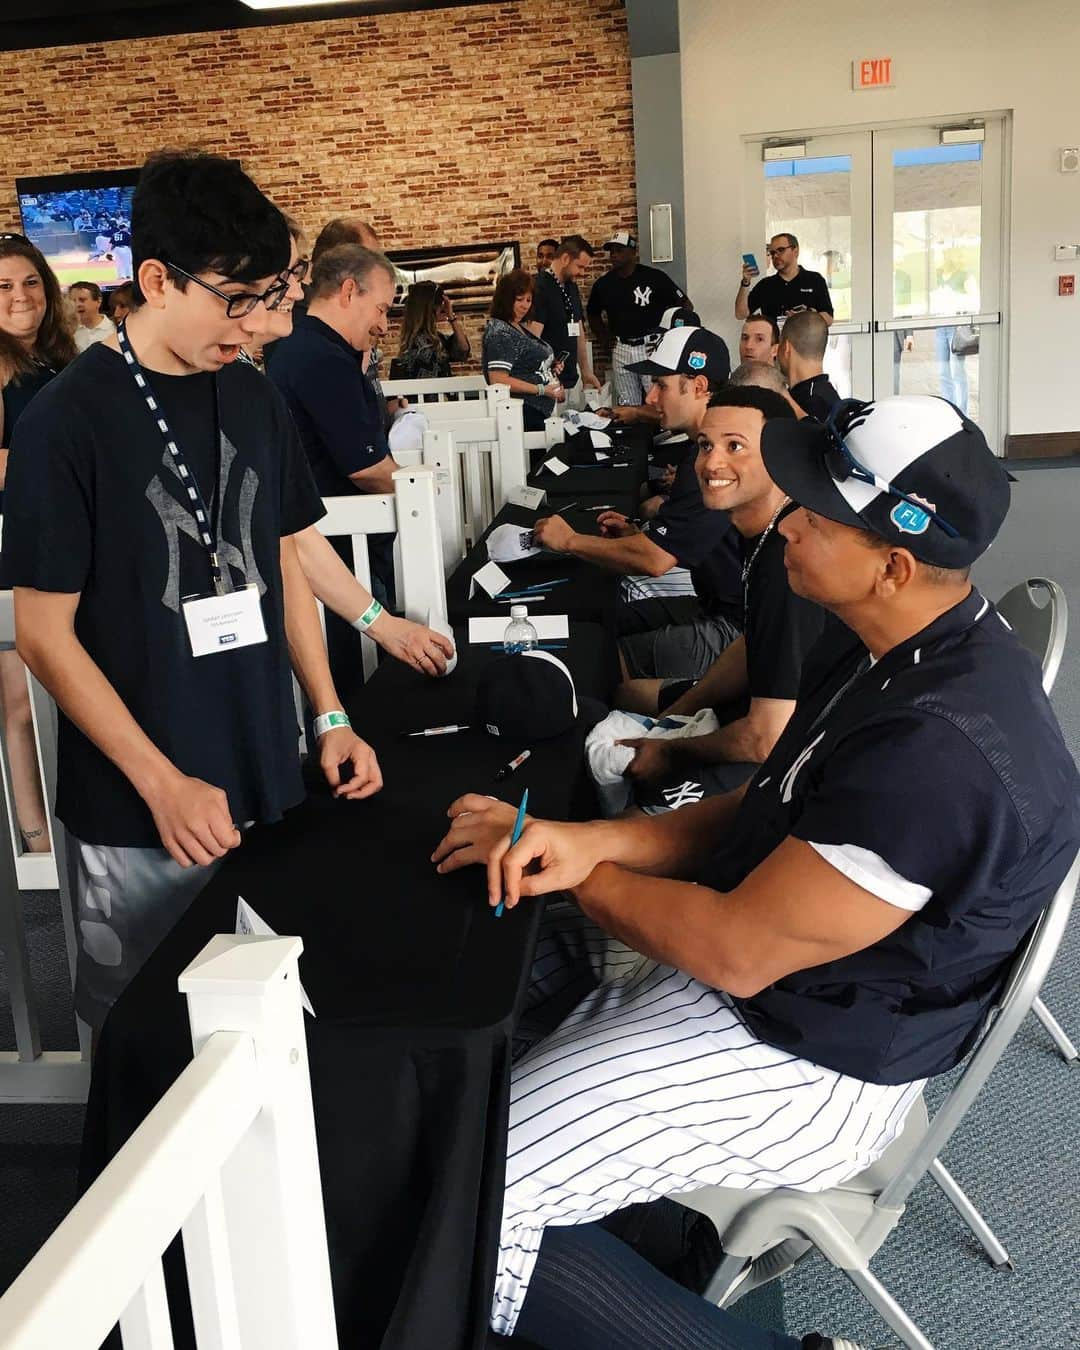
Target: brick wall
x,y
510,121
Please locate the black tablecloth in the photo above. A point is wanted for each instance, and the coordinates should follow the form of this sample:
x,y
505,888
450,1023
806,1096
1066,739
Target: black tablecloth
x,y
624,472
414,982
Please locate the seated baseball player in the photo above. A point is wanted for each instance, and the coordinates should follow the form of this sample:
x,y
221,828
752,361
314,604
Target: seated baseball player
x,y
767,978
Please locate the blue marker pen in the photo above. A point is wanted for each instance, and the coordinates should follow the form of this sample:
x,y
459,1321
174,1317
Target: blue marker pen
x,y
519,825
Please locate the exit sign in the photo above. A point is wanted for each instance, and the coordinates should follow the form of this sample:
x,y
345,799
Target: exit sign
x,y
872,72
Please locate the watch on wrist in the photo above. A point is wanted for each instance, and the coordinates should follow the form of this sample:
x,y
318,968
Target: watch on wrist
x,y
745,281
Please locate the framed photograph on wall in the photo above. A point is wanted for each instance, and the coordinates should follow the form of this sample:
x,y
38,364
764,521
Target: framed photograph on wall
x,y
467,272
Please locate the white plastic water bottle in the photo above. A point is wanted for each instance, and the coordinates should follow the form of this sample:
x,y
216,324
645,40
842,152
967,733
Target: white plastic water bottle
x,y
520,635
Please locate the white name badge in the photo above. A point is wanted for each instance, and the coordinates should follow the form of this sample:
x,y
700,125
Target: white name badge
x,y
573,328
221,623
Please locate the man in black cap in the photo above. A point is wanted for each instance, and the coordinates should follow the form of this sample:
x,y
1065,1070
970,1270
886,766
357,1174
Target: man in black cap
x,y
626,305
668,631
838,927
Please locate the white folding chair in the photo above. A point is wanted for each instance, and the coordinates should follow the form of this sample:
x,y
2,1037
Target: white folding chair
x,y
1038,613
764,1233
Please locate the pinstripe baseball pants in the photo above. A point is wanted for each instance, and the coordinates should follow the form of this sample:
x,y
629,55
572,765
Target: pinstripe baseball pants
x,y
629,387
652,1084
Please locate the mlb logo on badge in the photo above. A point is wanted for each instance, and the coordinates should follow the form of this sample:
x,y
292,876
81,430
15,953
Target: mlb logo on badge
x,y
907,517
696,360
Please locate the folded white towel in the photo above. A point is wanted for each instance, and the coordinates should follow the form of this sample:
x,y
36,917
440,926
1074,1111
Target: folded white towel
x,y
609,761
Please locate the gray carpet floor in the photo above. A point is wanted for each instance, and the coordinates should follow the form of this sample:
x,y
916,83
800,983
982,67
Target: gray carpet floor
x,y
1015,1154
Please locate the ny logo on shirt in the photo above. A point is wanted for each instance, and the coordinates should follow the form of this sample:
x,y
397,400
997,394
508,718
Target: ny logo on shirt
x,y
683,795
787,783
176,518
642,295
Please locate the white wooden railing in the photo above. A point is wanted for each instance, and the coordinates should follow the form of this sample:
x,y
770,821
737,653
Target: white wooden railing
x,y
228,1159
28,1073
419,575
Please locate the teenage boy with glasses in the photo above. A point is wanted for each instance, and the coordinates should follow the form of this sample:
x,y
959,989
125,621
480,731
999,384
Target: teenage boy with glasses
x,y
153,502
790,289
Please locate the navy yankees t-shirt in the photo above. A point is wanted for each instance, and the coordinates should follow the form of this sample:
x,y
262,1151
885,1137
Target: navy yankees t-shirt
x,y
634,305
939,781
95,506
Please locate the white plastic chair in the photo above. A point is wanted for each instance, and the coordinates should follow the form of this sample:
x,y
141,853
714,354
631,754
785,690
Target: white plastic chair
x,y
764,1233
1042,628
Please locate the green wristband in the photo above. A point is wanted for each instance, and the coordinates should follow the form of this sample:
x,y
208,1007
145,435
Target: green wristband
x,y
327,721
368,617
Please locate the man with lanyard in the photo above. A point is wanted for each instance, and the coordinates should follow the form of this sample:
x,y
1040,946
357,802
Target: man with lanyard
x,y
626,304
751,685
800,356
158,593
789,290
800,954
674,623
557,315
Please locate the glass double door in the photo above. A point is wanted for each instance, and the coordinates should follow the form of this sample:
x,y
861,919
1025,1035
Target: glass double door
x,y
907,232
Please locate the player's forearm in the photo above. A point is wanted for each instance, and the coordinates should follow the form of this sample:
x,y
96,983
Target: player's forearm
x,y
676,844
78,685
634,554
303,633
737,743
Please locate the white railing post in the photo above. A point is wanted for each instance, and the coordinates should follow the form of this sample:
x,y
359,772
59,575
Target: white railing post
x,y
439,454
423,585
271,1191
510,467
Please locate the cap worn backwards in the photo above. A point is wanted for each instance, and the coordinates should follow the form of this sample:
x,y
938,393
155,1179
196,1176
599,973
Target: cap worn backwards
x,y
911,468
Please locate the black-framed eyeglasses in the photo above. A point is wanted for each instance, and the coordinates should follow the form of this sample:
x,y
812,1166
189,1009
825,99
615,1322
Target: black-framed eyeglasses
x,y
842,464
775,252
298,271
239,306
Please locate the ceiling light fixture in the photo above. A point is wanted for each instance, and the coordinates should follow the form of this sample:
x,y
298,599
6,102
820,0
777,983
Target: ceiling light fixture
x,y
294,4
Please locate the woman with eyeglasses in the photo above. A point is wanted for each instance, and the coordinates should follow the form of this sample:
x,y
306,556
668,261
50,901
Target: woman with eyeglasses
x,y
35,343
424,353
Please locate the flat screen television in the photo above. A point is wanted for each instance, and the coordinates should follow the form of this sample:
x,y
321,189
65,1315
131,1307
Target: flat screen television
x,y
82,223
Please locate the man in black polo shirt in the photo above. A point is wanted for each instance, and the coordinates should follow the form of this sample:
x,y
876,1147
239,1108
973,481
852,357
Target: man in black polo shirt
x,y
788,291
837,928
800,355
753,684
670,632
557,315
627,305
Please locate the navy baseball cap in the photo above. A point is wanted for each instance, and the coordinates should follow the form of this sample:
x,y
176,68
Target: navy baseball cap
x,y
912,469
679,317
687,351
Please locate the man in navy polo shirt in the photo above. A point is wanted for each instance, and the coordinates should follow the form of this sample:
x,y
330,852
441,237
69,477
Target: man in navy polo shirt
x,y
334,406
834,932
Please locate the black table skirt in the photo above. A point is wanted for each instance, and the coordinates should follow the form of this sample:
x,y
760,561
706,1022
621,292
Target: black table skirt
x,y
415,985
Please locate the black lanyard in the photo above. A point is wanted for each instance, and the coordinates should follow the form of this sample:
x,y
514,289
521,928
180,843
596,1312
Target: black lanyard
x,y
206,524
568,304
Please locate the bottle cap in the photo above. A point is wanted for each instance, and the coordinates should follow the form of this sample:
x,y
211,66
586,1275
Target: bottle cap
x,y
519,611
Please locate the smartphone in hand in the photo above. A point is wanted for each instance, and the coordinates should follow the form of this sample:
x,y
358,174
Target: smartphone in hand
x,y
751,262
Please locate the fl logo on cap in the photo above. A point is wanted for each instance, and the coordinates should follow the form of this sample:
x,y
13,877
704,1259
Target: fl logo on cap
x,y
696,360
907,517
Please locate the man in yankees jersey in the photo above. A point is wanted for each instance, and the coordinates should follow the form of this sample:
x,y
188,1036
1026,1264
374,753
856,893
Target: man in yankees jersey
x,y
160,471
769,977
627,305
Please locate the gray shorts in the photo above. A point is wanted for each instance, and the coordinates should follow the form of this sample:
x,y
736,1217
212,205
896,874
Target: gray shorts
x,y
126,900
682,651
